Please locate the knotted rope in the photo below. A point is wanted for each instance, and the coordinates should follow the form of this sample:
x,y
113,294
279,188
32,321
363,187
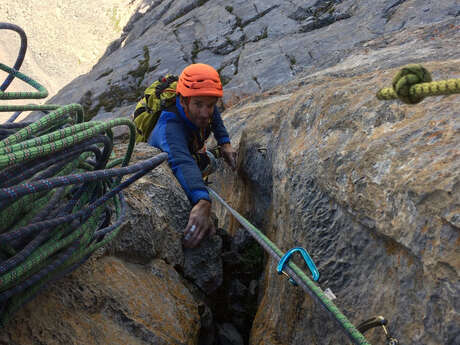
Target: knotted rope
x,y
413,83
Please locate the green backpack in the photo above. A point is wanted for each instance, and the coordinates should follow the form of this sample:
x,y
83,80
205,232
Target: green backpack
x,y
157,97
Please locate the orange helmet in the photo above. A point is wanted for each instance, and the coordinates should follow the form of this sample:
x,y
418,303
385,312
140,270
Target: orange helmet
x,y
199,80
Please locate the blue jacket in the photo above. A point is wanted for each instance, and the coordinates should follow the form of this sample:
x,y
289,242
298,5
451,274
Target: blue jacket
x,y
180,138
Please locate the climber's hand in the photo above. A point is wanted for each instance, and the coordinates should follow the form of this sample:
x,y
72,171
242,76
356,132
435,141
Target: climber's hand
x,y
199,224
229,155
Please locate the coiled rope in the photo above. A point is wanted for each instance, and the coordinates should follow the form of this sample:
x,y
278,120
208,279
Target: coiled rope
x,y
21,54
298,275
413,83
60,190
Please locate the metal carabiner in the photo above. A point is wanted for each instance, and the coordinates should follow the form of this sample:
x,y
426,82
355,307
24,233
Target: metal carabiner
x,y
376,322
308,260
212,166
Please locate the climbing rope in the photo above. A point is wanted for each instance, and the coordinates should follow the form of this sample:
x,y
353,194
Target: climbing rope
x,y
297,275
413,83
60,190
21,54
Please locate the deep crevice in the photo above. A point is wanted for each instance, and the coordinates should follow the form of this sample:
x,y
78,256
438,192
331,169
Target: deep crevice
x,y
232,307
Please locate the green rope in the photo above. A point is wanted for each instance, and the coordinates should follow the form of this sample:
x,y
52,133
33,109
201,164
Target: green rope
x,y
298,275
16,155
61,129
413,83
41,91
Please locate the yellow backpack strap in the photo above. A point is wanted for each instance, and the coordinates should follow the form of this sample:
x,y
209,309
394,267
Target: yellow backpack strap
x,y
157,97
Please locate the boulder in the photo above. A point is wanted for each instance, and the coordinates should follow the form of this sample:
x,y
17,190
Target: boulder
x,y
109,301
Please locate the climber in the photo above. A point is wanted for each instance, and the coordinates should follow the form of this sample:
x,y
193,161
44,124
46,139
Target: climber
x,y
182,131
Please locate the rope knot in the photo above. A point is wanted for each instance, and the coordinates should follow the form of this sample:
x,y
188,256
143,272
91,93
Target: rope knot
x,y
407,77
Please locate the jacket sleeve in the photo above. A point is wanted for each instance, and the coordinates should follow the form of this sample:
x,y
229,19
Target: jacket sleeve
x,y
170,136
218,128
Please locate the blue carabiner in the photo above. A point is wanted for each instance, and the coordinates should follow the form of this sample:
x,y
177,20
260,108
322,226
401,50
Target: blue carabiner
x,y
311,265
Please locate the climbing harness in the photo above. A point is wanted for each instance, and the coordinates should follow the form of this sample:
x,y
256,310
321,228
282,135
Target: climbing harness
x,y
60,189
297,275
308,260
413,83
378,321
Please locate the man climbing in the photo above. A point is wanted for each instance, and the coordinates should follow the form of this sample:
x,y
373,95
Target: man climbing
x,y
182,131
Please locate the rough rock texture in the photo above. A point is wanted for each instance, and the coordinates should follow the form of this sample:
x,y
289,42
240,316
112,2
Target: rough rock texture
x,y
158,213
108,301
131,292
227,335
254,44
152,230
369,188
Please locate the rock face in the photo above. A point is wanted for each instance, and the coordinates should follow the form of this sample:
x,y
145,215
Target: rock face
x,y
255,44
369,188
108,301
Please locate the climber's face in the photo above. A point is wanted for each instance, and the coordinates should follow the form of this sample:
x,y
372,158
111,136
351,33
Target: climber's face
x,y
199,109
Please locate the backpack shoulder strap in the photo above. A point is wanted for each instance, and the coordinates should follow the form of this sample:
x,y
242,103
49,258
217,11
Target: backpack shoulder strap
x,y
139,111
172,109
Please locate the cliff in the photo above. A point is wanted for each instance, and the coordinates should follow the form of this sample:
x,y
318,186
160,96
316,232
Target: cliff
x,y
369,188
